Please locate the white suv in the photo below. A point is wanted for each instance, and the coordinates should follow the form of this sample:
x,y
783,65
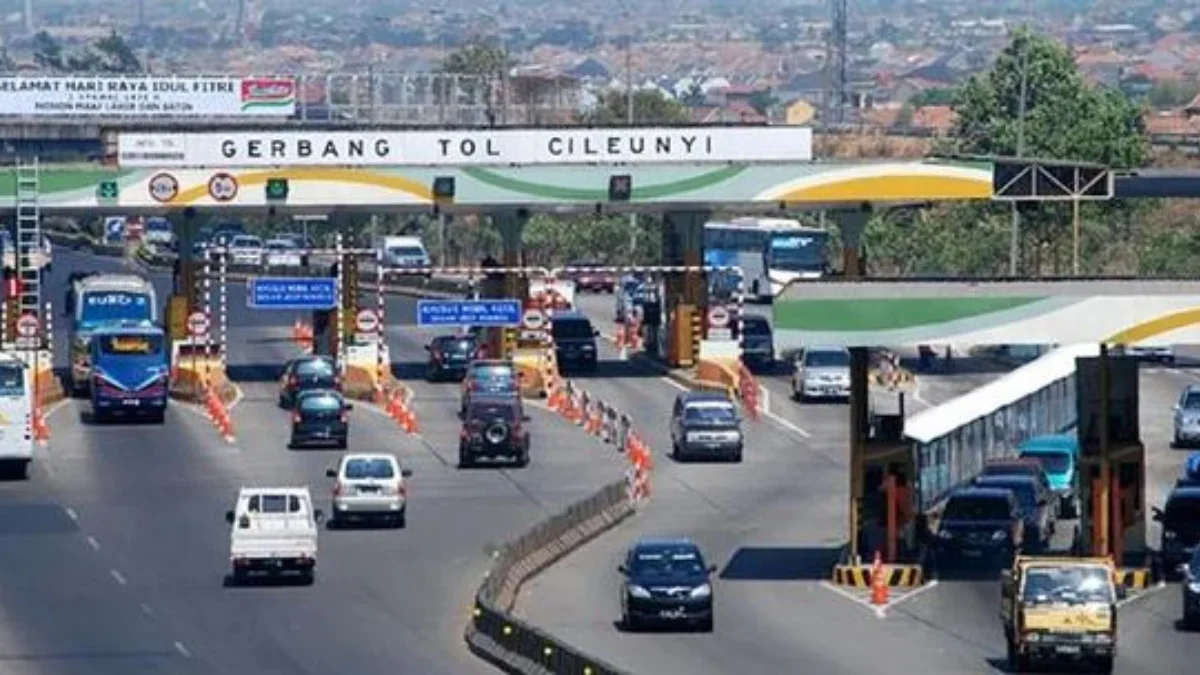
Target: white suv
x,y
369,486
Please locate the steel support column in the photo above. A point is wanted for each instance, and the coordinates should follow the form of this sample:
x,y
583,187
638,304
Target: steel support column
x,y
685,294
511,223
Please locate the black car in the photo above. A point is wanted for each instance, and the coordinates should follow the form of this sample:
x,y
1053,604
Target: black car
x,y
1180,520
494,428
980,526
307,373
320,417
449,357
1035,503
666,581
706,424
758,344
574,342
1191,590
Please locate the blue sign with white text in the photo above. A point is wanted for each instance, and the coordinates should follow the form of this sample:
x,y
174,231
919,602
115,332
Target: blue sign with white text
x,y
469,312
291,293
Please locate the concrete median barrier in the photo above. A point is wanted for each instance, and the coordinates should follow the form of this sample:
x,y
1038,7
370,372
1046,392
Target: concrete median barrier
x,y
497,636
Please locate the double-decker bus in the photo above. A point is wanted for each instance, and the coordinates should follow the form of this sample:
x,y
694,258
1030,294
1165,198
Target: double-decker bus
x,y
772,252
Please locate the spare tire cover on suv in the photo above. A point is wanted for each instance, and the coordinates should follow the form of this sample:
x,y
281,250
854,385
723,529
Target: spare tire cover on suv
x,y
496,432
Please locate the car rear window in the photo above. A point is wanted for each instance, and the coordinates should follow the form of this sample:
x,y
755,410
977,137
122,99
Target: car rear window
x,y
710,411
1183,509
976,508
484,409
455,345
377,467
274,504
314,367
488,372
827,359
320,402
571,328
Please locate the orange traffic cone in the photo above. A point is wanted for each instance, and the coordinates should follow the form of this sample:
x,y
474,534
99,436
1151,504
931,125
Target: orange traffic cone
x,y
879,586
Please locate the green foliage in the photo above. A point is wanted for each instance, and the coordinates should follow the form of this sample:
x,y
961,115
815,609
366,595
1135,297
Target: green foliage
x,y
478,58
108,55
934,96
650,107
552,240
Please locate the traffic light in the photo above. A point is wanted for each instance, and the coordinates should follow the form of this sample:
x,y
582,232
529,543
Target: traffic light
x,y
349,283
620,188
277,189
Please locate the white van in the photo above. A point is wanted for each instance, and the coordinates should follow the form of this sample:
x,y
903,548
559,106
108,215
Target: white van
x,y
16,415
273,532
402,252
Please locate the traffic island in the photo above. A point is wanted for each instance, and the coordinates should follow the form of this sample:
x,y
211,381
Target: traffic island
x,y
191,375
861,576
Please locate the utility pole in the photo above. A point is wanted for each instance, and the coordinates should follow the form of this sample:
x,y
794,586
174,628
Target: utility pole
x,y
1014,234
633,219
836,68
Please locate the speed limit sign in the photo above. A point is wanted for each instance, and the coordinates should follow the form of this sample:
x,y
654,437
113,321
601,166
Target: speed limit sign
x,y
718,316
222,187
197,324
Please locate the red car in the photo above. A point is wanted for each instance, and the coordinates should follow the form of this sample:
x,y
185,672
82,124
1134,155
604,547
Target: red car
x,y
591,276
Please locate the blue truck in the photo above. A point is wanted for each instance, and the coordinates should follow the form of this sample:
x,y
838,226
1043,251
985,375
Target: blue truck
x,y
130,372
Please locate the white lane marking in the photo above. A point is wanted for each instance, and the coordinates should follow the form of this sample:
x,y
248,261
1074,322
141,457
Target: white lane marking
x,y
1144,594
238,395
673,383
146,609
117,577
91,541
865,602
183,651
71,513
786,424
911,594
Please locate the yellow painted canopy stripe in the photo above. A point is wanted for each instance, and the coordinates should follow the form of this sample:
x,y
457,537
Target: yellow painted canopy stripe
x,y
355,176
916,187
1155,327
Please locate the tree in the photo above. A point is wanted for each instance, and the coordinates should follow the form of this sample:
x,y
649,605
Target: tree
x,y
47,52
650,106
485,64
1170,94
934,96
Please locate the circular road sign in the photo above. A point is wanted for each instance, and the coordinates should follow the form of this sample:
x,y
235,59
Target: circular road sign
x,y
718,316
533,319
164,188
197,323
222,187
27,326
366,321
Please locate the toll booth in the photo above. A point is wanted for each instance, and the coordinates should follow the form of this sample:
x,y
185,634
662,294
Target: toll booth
x,y
886,454
1112,463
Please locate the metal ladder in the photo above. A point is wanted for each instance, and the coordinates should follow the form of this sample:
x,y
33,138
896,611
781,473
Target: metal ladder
x,y
29,236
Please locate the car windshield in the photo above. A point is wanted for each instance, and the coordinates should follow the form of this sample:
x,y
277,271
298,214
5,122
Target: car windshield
x,y
976,508
827,359
571,328
406,252
320,403
667,561
1183,510
103,306
485,410
799,252
12,380
710,411
1191,401
130,345
375,467
246,242
1075,584
1052,462
280,245
454,345
757,326
1026,495
311,367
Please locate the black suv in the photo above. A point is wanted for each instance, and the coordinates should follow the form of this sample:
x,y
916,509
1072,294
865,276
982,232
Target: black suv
x,y
980,525
494,428
666,581
705,424
450,356
1180,520
758,344
574,341
1037,508
321,417
307,373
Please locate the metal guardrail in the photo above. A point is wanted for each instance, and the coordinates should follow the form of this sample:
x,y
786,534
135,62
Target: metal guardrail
x,y
519,647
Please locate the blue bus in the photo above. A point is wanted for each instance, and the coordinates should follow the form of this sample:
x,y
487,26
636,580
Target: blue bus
x,y
130,372
772,253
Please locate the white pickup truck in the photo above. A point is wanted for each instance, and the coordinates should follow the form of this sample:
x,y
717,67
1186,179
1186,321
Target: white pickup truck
x,y
274,532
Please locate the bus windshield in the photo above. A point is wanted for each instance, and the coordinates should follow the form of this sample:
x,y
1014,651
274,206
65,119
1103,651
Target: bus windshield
x,y
12,381
103,306
800,251
131,345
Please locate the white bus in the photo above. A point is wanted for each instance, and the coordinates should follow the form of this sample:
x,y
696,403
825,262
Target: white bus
x,y
16,415
771,252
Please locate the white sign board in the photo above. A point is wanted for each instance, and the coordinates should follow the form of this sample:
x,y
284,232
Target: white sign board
x,y
53,96
498,147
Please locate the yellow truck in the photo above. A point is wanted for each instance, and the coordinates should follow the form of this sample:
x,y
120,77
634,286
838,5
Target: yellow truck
x,y
1057,610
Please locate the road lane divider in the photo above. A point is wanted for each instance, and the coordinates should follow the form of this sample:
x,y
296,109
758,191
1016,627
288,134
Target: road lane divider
x,y
865,576
368,377
198,377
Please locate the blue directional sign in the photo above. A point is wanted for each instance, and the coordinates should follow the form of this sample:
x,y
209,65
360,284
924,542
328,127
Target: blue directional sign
x,y
291,293
114,229
469,312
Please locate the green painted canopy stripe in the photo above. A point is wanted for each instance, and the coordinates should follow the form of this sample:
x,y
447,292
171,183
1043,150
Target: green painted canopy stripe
x,y
691,183
854,315
64,180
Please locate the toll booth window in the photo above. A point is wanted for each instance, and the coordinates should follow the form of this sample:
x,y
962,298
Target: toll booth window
x,y
12,381
130,345
1072,585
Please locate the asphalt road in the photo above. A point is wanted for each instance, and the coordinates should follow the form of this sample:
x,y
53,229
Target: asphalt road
x,y
770,525
114,553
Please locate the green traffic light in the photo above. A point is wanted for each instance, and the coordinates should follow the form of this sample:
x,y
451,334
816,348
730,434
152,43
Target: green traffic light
x,y
277,188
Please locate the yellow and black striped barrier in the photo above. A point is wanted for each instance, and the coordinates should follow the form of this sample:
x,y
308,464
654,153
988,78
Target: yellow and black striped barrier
x,y
1135,578
859,576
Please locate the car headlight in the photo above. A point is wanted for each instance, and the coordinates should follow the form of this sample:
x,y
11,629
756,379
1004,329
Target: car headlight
x,y
702,591
589,348
999,535
637,591
1168,534
1194,586
1097,638
1033,637
945,534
